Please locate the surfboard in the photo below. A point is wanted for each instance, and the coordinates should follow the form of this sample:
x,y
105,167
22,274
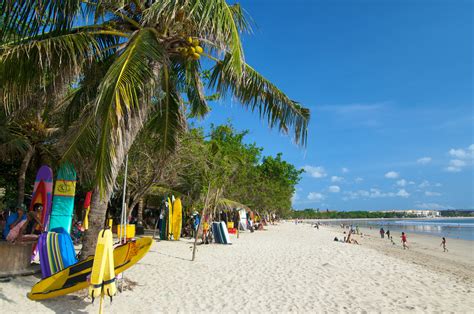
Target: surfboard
x,y
74,278
56,251
42,193
243,219
87,209
177,218
216,232
102,279
170,218
225,233
63,199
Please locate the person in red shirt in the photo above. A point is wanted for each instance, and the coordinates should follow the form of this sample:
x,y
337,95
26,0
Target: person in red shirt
x,y
404,241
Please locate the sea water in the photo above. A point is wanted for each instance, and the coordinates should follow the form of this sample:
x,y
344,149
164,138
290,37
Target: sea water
x,y
456,228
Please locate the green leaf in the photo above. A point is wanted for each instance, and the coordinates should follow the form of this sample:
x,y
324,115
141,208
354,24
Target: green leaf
x,y
257,93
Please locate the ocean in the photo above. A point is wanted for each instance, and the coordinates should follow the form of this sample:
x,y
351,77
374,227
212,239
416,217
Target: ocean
x,y
455,228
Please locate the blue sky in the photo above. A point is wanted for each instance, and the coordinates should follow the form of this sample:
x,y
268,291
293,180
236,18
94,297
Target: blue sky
x,y
390,88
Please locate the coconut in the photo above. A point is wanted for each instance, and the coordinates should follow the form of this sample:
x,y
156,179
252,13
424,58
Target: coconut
x,y
191,50
198,49
195,56
190,40
195,42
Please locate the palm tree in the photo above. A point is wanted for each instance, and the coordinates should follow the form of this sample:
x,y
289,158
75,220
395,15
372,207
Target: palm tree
x,y
27,136
131,63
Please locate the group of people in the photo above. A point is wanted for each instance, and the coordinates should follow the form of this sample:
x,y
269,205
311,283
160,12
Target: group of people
x,y
405,241
20,224
387,233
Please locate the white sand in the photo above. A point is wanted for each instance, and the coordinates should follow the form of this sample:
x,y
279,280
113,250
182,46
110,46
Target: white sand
x,y
288,268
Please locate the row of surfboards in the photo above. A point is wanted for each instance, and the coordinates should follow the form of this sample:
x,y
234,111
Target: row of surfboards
x,y
55,247
171,221
61,272
220,232
57,209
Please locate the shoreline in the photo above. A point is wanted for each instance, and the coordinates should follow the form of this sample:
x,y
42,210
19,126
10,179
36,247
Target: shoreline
x,y
388,219
458,261
408,228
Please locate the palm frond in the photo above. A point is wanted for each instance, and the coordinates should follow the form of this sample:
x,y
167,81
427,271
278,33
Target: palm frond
x,y
195,91
167,120
29,18
29,66
212,21
257,93
123,93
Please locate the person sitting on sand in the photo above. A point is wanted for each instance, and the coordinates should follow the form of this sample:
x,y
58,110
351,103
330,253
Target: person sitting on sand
x,y
391,239
14,218
443,243
404,241
17,227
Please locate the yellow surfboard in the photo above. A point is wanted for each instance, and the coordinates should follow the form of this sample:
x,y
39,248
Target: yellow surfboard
x,y
74,277
170,219
177,218
102,280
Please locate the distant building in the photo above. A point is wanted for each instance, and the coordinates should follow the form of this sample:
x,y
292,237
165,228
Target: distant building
x,y
423,213
417,212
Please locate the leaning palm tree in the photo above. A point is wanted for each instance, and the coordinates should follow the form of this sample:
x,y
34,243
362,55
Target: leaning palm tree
x,y
131,63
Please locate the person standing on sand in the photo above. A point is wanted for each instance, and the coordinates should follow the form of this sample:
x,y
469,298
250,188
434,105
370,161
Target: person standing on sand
x,y
388,234
443,243
382,233
404,241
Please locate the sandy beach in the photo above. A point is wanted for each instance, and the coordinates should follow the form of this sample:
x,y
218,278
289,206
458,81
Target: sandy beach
x,y
288,268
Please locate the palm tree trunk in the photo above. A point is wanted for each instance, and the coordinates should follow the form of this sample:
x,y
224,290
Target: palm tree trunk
x,y
99,204
141,205
22,174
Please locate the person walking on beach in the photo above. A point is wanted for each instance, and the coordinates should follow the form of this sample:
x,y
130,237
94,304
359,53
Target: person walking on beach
x,y
388,234
443,243
382,233
404,241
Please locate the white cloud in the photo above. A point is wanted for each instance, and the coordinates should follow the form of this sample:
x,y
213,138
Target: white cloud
x,y
402,182
429,193
438,184
336,179
411,182
374,193
345,170
403,193
295,197
458,153
432,206
424,160
359,179
334,189
457,163
315,172
452,169
392,175
462,157
424,184
315,196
